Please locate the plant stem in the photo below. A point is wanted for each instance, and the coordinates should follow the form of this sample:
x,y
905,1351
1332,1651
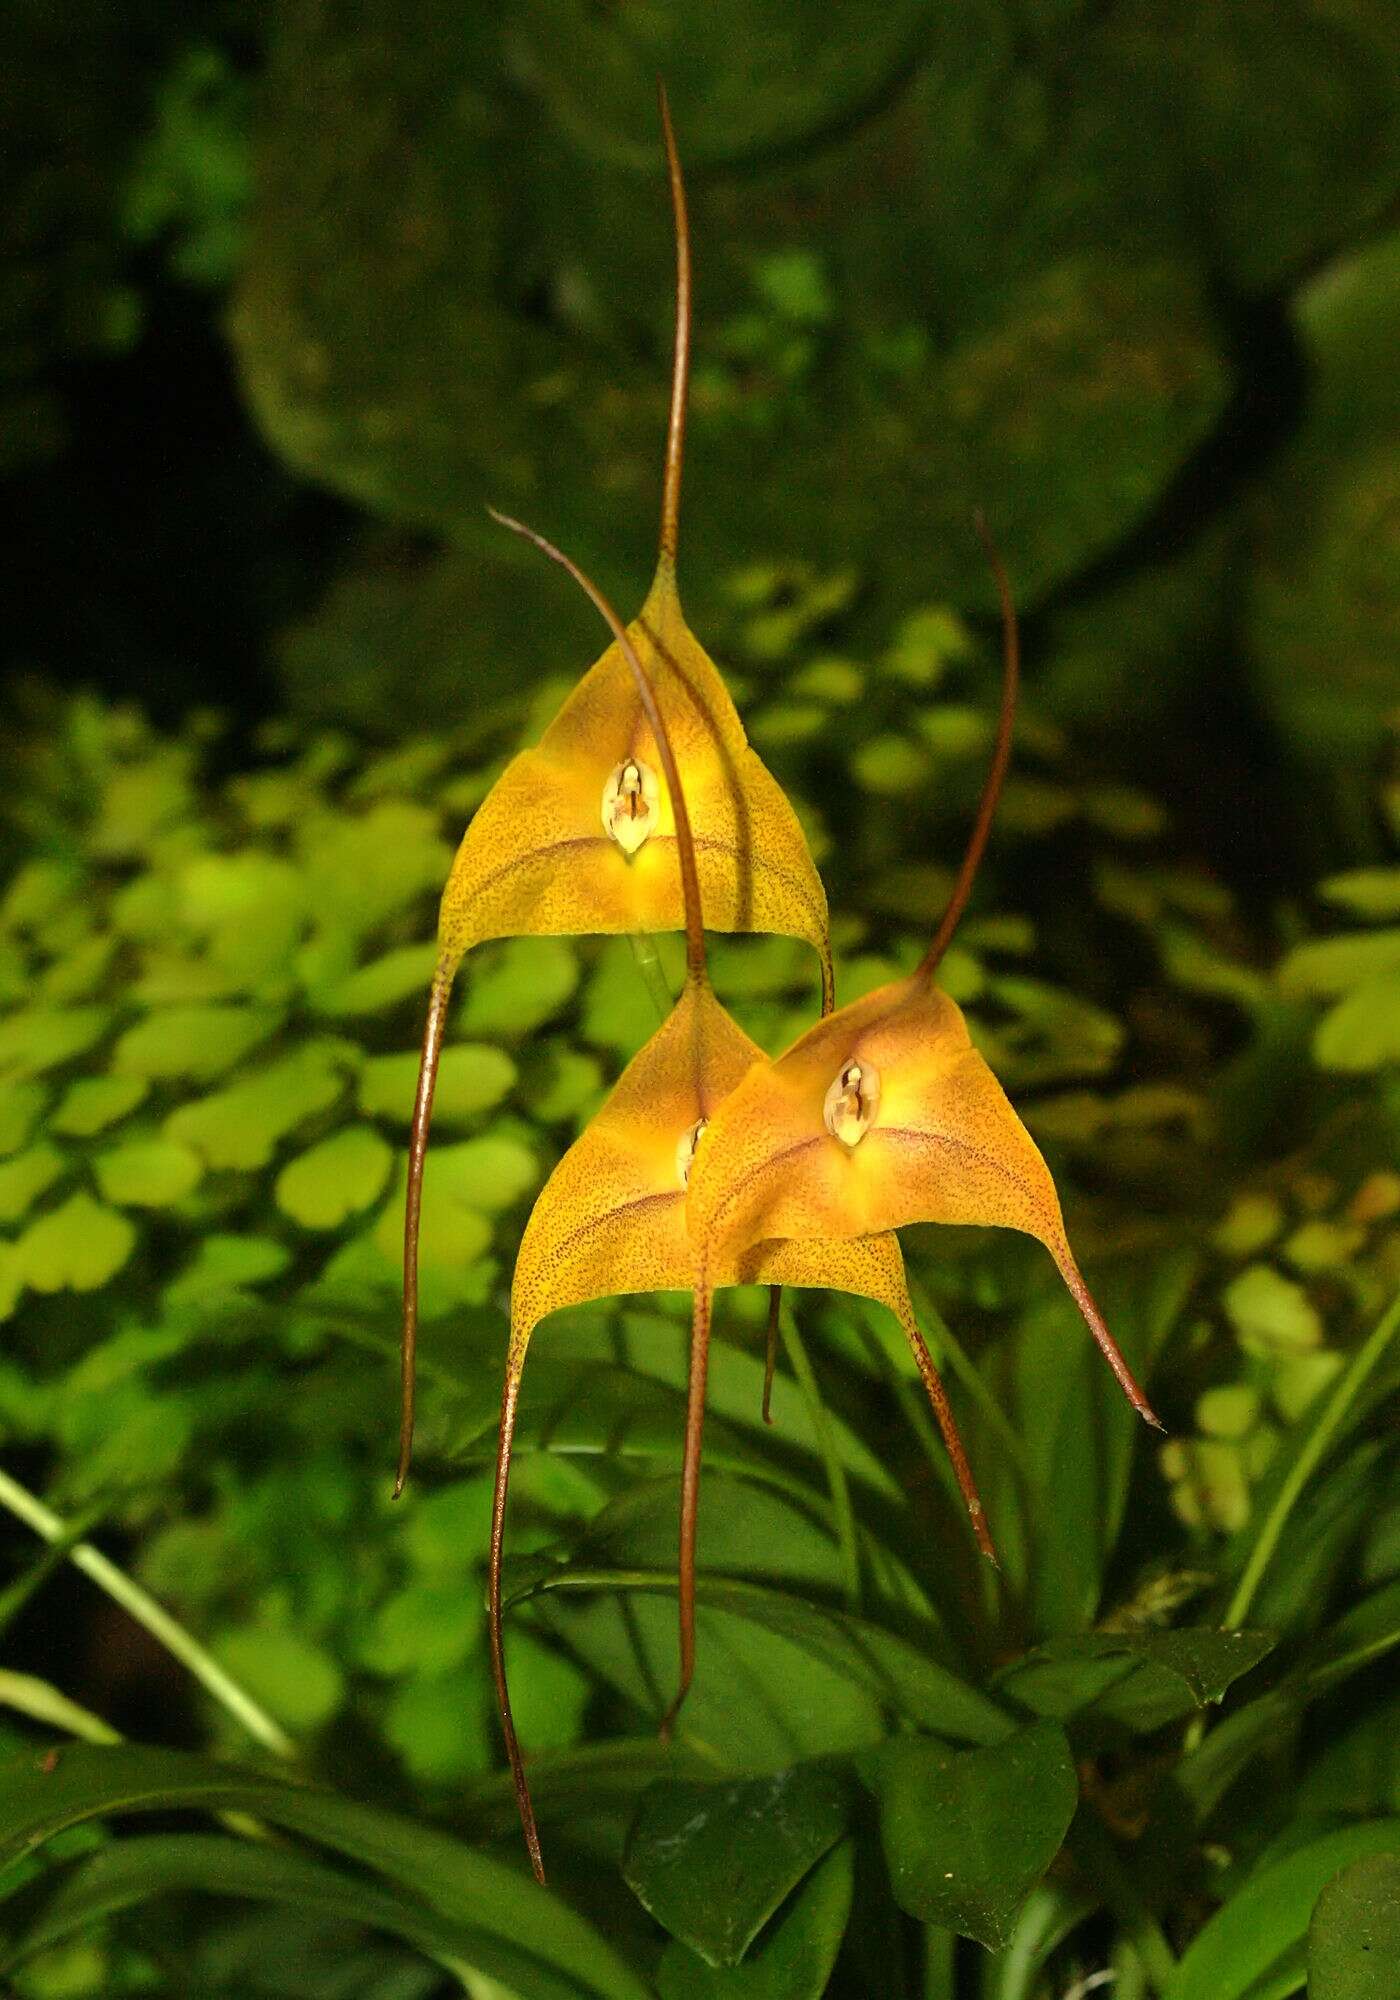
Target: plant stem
x,y
141,1606
839,1487
648,961
1348,1387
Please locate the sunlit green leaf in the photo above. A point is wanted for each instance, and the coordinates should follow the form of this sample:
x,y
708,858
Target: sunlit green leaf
x,y
148,1173
1331,966
381,984
20,1107
226,1263
241,1125
25,1177
515,987
335,1179
1363,1030
488,1173
1372,893
92,1103
1270,1313
76,1247
472,1076
44,1038
198,1042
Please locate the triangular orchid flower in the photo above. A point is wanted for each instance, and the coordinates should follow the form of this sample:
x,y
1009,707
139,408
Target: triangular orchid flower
x,y
611,1218
578,835
882,1114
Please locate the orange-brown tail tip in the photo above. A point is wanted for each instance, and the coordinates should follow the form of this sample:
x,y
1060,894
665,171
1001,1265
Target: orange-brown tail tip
x,y
1108,1346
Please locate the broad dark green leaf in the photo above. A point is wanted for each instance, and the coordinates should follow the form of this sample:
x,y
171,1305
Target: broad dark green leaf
x,y
793,1961
1354,1935
588,1409
526,1937
969,1833
1255,1945
815,1679
1142,1679
713,1862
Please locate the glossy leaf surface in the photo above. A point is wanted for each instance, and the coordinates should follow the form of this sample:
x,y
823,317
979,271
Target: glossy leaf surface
x,y
713,1862
969,1833
793,1960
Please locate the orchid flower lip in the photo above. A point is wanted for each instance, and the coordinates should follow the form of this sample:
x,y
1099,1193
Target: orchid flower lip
x,y
685,1149
852,1102
630,804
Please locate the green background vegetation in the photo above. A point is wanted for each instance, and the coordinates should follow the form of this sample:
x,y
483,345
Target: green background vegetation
x,y
288,294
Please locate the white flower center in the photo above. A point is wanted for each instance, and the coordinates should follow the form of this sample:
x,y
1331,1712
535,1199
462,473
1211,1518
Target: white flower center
x,y
630,804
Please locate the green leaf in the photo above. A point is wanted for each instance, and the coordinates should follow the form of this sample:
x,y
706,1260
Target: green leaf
x,y
75,1248
713,1862
24,1178
239,1126
198,1042
1271,1314
299,1682
361,868
1362,1032
1354,1935
335,1179
523,1936
37,891
968,1833
453,1235
828,1680
148,1173
44,1038
437,1723
488,1173
383,983
1328,967
1140,1678
793,1960
424,1628
472,1077
132,1871
1372,893
1254,1946
20,1108
92,1103
227,1264
515,987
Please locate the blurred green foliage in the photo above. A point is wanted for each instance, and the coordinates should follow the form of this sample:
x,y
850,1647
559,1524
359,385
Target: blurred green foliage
x,y
1129,278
